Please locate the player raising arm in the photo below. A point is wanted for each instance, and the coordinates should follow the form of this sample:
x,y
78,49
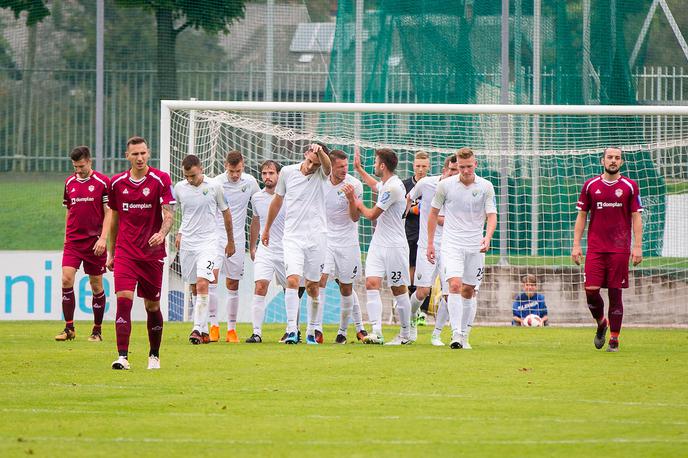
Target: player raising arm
x,y
141,200
613,202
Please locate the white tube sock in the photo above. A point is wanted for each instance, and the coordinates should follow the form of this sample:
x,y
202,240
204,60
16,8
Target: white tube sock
x,y
347,305
374,306
404,310
232,309
291,302
258,313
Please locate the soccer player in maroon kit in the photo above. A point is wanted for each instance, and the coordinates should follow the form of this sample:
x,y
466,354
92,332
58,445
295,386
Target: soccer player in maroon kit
x,y
141,200
613,201
86,226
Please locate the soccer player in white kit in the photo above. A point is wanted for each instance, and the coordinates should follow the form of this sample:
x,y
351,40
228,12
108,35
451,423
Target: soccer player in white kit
x,y
426,272
388,251
238,187
468,201
343,259
268,261
200,199
301,189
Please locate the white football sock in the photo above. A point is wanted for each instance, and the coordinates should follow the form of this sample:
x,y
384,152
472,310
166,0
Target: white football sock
x,y
415,304
232,309
454,308
441,317
212,305
312,306
374,306
258,314
321,309
471,317
356,312
291,302
202,306
404,309
466,310
347,305
196,314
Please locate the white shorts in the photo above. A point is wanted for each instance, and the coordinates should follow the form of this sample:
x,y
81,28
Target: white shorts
x,y
232,267
269,265
305,258
343,263
468,265
426,273
197,264
392,263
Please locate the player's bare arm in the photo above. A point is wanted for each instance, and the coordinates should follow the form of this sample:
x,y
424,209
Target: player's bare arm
x,y
350,193
637,250
369,180
489,232
101,243
254,233
167,219
432,227
273,210
112,240
230,249
325,162
578,229
370,213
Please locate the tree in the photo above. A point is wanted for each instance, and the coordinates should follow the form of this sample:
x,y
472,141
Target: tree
x,y
174,16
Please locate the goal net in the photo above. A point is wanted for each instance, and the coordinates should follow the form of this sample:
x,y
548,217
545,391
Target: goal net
x,y
537,158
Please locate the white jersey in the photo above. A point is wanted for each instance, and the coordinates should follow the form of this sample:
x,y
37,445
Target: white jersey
x,y
260,202
304,199
465,208
341,230
237,196
199,204
425,188
390,231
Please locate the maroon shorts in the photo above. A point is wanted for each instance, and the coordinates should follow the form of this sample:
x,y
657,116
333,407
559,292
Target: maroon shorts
x,y
146,274
82,251
607,270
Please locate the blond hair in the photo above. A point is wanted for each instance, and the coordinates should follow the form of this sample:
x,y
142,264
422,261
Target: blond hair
x,y
465,153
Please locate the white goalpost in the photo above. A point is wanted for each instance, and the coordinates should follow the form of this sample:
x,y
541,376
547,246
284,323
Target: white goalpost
x,y
538,164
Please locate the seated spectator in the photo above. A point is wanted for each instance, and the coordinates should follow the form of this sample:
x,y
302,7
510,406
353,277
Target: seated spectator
x,y
529,301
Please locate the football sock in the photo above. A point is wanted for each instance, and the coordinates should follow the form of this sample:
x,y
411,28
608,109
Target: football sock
x,y
321,309
347,305
404,309
454,309
68,306
595,304
415,303
154,324
441,317
615,311
98,306
123,324
232,309
196,313
374,306
469,307
356,312
312,309
291,302
258,314
212,304
201,312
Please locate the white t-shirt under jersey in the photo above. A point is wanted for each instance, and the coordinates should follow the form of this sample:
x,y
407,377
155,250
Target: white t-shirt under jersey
x,y
425,188
199,204
260,202
341,230
304,201
237,194
465,210
391,198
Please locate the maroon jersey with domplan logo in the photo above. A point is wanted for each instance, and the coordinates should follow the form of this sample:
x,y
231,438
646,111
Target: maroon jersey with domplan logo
x,y
610,205
139,206
84,198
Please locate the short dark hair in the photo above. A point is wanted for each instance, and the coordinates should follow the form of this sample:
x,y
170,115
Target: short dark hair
x,y
604,151
79,153
465,153
529,278
191,161
388,157
338,154
451,159
322,145
234,157
272,163
136,140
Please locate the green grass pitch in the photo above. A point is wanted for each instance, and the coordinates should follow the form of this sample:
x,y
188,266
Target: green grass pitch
x,y
519,392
